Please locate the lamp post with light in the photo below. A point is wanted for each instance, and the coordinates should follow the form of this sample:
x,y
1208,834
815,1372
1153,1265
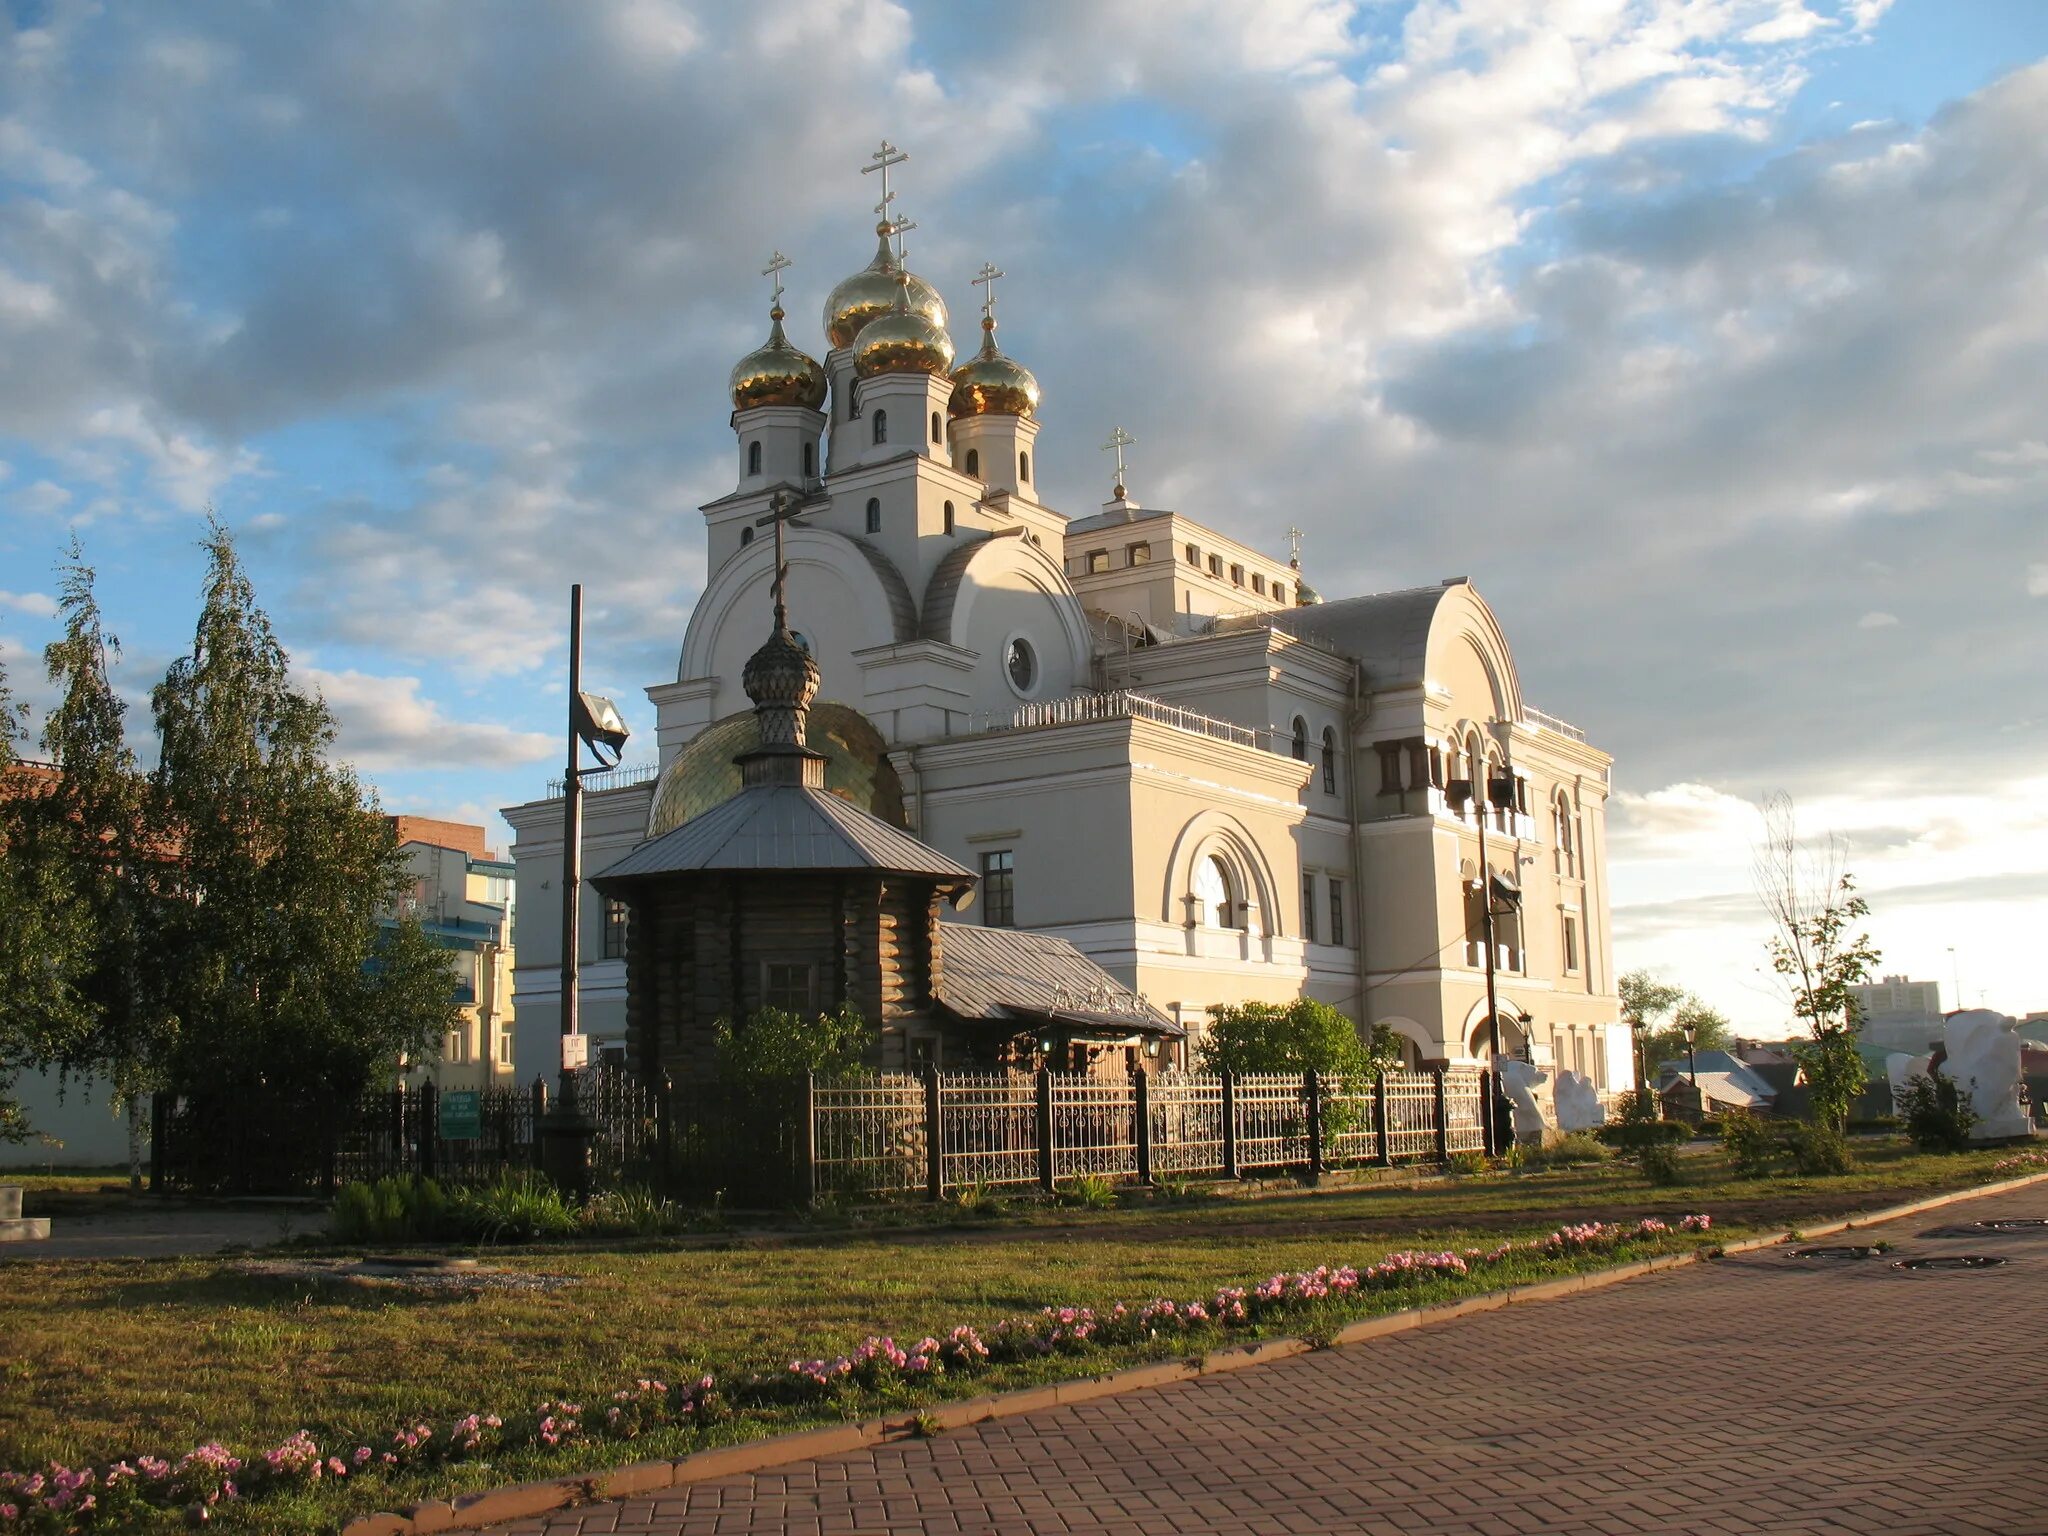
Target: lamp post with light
x,y
594,723
1485,794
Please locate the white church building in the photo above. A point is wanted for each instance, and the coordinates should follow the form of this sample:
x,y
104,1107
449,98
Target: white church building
x,y
1145,736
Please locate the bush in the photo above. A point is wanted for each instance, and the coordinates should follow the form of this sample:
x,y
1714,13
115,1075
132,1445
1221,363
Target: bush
x,y
513,1208
774,1043
976,1199
395,1209
633,1210
1574,1150
1660,1165
1750,1144
1467,1165
1089,1191
1818,1149
1938,1115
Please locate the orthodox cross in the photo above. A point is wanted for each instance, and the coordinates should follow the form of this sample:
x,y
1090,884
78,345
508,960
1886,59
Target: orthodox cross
x,y
986,281
899,226
1294,538
783,507
883,158
777,265
1119,440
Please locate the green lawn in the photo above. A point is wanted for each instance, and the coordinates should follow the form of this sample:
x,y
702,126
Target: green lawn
x,y
107,1358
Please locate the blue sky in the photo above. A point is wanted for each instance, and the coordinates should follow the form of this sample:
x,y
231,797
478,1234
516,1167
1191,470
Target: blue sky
x,y
1705,337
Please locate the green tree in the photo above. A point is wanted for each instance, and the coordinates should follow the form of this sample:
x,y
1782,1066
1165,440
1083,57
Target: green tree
x,y
1816,948
774,1043
1709,1026
283,991
17,917
1301,1036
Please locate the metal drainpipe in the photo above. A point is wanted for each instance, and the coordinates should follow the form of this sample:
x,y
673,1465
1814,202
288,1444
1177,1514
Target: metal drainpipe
x,y
1354,721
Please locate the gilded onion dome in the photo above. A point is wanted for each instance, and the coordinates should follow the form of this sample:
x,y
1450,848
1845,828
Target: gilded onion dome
x,y
990,384
777,373
902,341
872,293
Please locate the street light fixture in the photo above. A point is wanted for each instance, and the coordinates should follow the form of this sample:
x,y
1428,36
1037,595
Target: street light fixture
x,y
1691,1031
1496,791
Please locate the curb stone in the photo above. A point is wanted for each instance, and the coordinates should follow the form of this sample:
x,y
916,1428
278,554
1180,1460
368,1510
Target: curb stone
x,y
521,1501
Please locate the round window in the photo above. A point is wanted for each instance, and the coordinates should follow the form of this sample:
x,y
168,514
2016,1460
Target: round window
x,y
1022,663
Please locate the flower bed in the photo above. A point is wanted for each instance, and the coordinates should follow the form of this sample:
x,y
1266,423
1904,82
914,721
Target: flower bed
x,y
143,1490
2020,1162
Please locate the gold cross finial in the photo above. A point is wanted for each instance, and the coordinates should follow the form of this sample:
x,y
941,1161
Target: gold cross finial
x,y
783,506
1119,440
1294,538
898,227
882,159
777,265
986,281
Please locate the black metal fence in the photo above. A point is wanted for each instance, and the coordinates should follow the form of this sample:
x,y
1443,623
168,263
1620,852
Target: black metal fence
x,y
791,1142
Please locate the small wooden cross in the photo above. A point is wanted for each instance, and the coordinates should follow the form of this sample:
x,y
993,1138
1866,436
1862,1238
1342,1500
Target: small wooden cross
x,y
783,507
777,265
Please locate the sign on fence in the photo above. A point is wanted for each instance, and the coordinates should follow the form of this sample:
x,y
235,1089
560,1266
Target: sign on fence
x,y
462,1115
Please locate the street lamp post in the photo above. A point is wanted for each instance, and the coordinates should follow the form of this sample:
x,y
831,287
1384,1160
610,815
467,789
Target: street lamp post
x,y
1692,1062
1482,794
594,722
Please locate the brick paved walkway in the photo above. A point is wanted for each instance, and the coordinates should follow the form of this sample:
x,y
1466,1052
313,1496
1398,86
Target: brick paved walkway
x,y
1755,1395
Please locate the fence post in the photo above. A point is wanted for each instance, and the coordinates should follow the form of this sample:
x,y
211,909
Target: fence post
x,y
427,1124
810,1147
934,1143
1440,1108
1141,1089
1312,1086
1230,1125
665,1130
1384,1148
1045,1129
540,1113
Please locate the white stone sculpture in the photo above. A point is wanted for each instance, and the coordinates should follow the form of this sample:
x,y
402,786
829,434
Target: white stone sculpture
x,y
1578,1103
1519,1081
1901,1069
1984,1062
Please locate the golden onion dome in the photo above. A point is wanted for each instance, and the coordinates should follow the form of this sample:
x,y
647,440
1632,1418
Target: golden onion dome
x,y
872,293
990,384
1305,596
777,373
902,341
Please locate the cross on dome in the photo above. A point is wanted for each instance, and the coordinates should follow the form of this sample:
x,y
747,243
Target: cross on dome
x,y
986,281
783,507
777,265
1119,440
897,228
882,159
1294,538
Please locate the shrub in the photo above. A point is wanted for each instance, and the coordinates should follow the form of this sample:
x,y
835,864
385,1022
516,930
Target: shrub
x,y
774,1043
1750,1144
1818,1149
976,1199
1633,1136
1660,1165
513,1208
1938,1116
1467,1165
633,1210
395,1209
1574,1150
1089,1191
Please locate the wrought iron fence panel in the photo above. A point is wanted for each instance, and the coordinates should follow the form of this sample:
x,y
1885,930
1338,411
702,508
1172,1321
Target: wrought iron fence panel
x,y
868,1135
1094,1126
1464,1110
624,1106
1411,1115
988,1128
1272,1120
1187,1123
1349,1135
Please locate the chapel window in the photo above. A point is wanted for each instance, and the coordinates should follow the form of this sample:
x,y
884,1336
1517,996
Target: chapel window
x,y
938,429
1329,761
1021,661
1390,767
789,986
810,460
754,457
1308,905
1336,910
1194,555
1279,592
949,517
614,929
1215,565
1258,584
881,426
1024,468
1571,943
746,533
874,515
1300,739
1215,893
974,461
1237,575
1140,554
1098,560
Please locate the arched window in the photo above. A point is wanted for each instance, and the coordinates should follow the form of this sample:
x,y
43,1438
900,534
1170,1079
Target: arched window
x,y
874,515
1215,893
1024,468
746,533
881,426
938,429
1300,739
1567,853
754,458
949,517
810,460
1329,761
974,461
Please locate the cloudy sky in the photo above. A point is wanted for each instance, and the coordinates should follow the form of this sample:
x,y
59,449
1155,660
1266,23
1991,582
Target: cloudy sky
x,y
1706,336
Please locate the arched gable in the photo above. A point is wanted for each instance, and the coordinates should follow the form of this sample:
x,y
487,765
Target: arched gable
x,y
993,590
1469,655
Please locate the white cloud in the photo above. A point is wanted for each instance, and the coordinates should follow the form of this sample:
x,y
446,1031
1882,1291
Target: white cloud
x,y
2037,579
383,724
1877,620
42,498
37,605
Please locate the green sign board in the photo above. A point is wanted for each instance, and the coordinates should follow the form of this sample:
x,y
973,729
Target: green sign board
x,y
462,1115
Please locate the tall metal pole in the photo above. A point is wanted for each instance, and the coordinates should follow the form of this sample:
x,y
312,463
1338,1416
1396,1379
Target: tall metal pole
x,y
1481,798
572,844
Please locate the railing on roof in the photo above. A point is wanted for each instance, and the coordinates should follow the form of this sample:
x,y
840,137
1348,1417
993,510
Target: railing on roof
x,y
1123,704
611,778
1533,716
